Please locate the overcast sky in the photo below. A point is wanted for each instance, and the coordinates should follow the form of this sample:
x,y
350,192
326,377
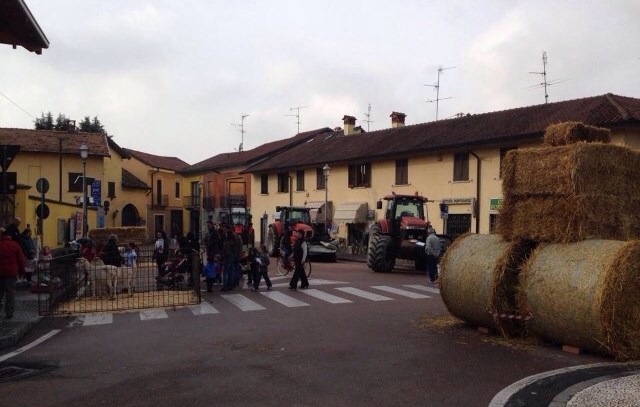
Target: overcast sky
x,y
171,77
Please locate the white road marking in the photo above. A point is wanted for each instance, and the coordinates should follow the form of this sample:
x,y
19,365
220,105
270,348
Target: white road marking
x,y
424,288
314,282
321,295
29,346
156,313
284,299
364,294
243,302
96,319
398,291
203,308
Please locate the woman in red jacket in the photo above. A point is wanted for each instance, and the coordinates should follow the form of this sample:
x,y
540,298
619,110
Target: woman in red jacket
x,y
11,264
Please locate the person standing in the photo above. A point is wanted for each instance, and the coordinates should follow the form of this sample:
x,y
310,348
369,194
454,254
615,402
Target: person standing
x,y
111,255
285,246
262,269
160,249
230,258
29,252
11,265
432,250
13,230
131,255
299,257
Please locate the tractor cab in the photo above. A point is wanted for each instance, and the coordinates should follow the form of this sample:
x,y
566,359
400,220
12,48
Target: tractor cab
x,y
405,216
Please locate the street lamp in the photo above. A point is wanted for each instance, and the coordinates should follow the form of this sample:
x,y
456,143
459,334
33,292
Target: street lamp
x,y
84,154
326,170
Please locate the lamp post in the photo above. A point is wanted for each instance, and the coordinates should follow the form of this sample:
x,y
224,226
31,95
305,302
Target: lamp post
x,y
326,170
84,153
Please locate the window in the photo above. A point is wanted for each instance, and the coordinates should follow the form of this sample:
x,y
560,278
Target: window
x,y
283,182
493,218
320,179
111,190
461,167
159,192
300,180
75,182
402,172
457,225
503,153
360,175
264,184
177,190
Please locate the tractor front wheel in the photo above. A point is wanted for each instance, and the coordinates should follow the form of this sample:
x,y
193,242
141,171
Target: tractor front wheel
x,y
273,243
381,257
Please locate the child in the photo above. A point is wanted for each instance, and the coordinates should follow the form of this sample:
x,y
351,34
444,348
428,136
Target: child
x,y
211,272
131,255
262,263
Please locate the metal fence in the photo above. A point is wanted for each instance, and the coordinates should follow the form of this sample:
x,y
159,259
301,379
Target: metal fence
x,y
70,284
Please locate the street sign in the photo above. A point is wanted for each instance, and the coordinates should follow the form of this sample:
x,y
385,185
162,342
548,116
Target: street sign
x,y
96,192
42,185
11,179
7,154
42,211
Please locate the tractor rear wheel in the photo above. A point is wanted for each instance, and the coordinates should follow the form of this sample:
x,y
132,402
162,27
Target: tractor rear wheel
x,y
273,243
373,234
381,256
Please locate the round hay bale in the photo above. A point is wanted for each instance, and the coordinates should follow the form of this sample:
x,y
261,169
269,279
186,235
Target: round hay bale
x,y
478,281
585,294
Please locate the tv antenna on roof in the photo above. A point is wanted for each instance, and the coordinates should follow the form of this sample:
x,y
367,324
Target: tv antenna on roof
x,y
368,116
242,130
545,83
437,88
297,115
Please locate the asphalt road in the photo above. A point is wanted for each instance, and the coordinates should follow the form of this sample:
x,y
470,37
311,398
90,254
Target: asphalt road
x,y
396,352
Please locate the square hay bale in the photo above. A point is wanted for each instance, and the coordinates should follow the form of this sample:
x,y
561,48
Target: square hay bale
x,y
564,219
575,169
137,234
561,134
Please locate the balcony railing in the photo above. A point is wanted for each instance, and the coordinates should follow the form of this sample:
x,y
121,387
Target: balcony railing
x,y
191,202
161,200
236,201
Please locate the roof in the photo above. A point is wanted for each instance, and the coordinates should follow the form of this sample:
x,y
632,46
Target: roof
x,y
131,181
19,27
46,141
495,128
242,158
123,153
158,161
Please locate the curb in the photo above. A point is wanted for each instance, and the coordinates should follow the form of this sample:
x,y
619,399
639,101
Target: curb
x,y
12,332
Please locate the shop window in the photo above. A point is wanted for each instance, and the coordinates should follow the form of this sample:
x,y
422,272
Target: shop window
x,y
492,222
458,224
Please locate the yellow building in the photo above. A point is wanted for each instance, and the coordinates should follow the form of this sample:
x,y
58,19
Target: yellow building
x,y
455,162
55,156
163,206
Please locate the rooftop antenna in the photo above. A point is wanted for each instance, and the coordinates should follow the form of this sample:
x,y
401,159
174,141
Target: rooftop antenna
x,y
242,130
368,116
545,83
297,115
437,88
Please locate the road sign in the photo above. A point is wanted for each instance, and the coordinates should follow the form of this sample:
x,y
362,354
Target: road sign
x,y
42,185
8,182
7,154
42,211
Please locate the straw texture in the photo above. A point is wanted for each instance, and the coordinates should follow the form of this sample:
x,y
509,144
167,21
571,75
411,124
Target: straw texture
x,y
571,132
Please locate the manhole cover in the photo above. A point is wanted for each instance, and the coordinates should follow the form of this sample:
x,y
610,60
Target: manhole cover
x,y
13,373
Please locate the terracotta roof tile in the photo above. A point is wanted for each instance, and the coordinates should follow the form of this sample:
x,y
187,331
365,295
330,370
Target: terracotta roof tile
x,y
158,161
46,141
131,181
243,158
502,127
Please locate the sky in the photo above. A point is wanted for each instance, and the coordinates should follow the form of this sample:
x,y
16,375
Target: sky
x,y
173,78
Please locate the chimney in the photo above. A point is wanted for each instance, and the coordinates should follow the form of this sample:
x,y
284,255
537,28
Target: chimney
x,y
397,119
349,124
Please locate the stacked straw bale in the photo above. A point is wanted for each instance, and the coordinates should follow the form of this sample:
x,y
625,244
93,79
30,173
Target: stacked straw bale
x,y
479,279
585,294
570,132
571,193
137,234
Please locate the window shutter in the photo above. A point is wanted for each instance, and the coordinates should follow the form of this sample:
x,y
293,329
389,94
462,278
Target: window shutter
x,y
352,173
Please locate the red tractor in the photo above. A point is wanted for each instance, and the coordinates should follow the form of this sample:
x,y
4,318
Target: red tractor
x,y
289,216
400,234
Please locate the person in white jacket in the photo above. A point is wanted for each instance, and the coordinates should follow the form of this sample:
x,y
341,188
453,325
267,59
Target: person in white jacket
x,y
432,249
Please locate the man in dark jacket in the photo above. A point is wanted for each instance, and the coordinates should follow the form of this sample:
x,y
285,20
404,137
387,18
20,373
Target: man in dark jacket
x,y
11,264
299,257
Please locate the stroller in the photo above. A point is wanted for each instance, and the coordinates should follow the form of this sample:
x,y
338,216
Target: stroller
x,y
172,272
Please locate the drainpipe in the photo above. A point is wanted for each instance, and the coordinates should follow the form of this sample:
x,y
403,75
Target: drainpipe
x,y
152,196
60,171
290,190
477,191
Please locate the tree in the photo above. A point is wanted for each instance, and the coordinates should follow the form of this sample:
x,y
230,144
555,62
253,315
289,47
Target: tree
x,y
92,126
62,123
45,122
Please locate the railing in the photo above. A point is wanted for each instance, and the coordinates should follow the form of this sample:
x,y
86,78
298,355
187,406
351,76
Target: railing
x,y
191,202
208,203
161,200
71,284
233,201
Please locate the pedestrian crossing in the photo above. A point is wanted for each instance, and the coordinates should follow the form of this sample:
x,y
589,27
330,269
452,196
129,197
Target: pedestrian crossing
x,y
248,301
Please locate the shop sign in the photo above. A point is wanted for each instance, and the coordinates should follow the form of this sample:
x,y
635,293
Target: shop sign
x,y
495,204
